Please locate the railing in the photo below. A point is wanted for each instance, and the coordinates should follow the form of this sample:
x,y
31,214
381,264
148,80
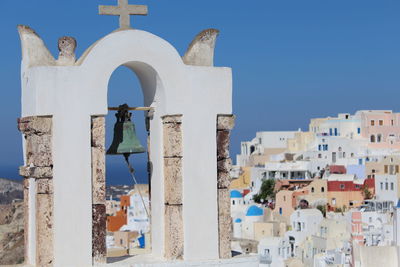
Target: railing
x,y
265,259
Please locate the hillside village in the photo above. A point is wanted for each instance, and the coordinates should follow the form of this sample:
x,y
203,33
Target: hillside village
x,y
328,196
334,194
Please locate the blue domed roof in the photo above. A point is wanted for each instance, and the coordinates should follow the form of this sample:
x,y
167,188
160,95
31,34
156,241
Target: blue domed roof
x,y
238,220
255,211
236,194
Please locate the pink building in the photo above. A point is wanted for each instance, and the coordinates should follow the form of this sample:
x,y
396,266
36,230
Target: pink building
x,y
356,228
381,128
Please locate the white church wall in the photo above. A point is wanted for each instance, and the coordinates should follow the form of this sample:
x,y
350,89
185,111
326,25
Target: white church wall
x,y
74,93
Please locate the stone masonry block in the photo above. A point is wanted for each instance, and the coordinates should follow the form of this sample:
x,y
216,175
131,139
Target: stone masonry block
x,y
173,180
35,172
98,132
173,232
99,218
35,125
39,150
172,118
223,144
44,186
224,202
224,234
225,122
98,176
172,140
44,230
224,165
223,180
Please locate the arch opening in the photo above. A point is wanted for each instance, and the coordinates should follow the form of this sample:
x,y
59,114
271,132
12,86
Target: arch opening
x,y
129,224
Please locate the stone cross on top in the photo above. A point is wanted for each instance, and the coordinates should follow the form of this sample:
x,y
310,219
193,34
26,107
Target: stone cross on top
x,y
123,10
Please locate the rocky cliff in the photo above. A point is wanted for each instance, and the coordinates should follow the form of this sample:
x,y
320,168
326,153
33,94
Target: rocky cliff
x,y
10,190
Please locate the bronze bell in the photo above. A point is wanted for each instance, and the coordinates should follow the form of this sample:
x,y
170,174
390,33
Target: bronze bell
x,y
125,140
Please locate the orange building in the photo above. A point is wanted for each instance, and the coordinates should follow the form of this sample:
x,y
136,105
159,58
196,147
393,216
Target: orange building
x,y
114,223
287,201
346,192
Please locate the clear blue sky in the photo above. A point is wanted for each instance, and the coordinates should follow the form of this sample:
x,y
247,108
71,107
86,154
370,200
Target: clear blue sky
x,y
291,60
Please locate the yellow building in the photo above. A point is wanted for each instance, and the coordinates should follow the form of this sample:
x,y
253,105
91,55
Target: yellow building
x,y
244,179
300,141
316,193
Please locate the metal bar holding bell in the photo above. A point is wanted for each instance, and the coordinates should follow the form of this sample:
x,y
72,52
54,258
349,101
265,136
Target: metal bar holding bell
x,y
132,108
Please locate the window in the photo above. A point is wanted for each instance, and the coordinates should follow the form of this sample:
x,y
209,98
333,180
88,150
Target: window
x,y
381,186
357,186
312,189
379,138
333,201
392,122
397,168
387,186
342,186
372,138
358,130
284,198
336,132
319,155
391,186
330,131
319,147
233,202
322,189
344,154
380,122
386,168
372,123
352,155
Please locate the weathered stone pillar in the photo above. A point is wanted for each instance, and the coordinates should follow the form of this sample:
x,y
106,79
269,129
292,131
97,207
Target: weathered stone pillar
x,y
225,124
39,168
99,250
172,125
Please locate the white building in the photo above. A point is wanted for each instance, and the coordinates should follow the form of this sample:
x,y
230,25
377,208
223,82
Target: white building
x,y
304,223
386,188
273,251
344,125
263,140
137,213
287,170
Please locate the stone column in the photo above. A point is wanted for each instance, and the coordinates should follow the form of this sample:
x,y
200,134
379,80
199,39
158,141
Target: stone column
x,y
99,249
172,126
39,168
225,123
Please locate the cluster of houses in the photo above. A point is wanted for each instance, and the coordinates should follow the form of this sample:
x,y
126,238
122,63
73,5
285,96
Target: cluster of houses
x,y
128,223
336,193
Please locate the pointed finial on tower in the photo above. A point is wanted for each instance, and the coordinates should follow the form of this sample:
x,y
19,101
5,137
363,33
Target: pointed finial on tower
x,y
124,11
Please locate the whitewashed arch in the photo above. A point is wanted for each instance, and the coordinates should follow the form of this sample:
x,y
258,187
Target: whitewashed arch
x,y
74,93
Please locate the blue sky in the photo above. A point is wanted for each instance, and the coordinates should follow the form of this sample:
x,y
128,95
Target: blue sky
x,y
291,60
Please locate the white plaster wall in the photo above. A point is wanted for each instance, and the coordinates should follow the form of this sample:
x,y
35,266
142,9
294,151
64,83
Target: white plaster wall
x,y
275,139
31,231
383,194
73,94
